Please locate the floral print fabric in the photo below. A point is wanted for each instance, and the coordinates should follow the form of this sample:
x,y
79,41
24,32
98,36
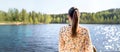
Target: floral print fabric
x,y
80,43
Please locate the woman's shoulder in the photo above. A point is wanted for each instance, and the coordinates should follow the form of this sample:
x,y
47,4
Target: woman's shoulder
x,y
63,28
83,30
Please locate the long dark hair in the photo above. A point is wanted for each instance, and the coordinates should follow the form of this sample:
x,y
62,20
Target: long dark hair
x,y
74,14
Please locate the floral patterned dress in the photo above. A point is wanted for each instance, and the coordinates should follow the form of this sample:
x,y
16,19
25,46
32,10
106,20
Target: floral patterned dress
x,y
80,43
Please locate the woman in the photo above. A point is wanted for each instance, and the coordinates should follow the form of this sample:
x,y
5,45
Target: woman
x,y
74,38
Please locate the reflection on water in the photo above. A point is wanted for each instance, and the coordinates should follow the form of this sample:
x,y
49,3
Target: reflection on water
x,y
105,37
29,38
44,37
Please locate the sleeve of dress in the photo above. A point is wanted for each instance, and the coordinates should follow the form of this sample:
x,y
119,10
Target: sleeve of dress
x,y
61,41
87,42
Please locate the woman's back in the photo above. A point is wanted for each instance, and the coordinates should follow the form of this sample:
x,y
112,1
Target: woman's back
x,y
80,43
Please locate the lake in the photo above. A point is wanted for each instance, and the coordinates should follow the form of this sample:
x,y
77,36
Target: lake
x,y
44,37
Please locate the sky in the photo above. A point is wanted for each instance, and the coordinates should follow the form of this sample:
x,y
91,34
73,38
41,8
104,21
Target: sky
x,y
59,6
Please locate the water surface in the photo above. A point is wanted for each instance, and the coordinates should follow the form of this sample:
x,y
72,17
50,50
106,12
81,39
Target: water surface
x,y
44,37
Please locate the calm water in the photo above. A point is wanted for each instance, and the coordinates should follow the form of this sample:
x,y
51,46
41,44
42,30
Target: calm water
x,y
44,37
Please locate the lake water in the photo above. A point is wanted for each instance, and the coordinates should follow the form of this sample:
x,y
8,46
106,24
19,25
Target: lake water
x,y
44,37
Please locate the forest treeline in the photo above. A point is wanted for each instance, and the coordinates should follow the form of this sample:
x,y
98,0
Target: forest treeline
x,y
110,16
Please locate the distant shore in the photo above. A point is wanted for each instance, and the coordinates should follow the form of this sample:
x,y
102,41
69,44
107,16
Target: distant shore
x,y
16,23
11,23
21,23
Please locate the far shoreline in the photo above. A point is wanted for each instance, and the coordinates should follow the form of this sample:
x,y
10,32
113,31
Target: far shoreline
x,y
11,23
21,23
16,23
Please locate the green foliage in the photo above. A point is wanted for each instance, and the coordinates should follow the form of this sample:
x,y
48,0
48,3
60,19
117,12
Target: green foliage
x,y
48,19
14,15
110,16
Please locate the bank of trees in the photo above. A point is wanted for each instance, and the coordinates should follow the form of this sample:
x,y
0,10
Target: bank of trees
x,y
111,16
14,15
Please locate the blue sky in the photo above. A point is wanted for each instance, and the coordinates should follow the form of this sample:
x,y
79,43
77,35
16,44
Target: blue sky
x,y
59,6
